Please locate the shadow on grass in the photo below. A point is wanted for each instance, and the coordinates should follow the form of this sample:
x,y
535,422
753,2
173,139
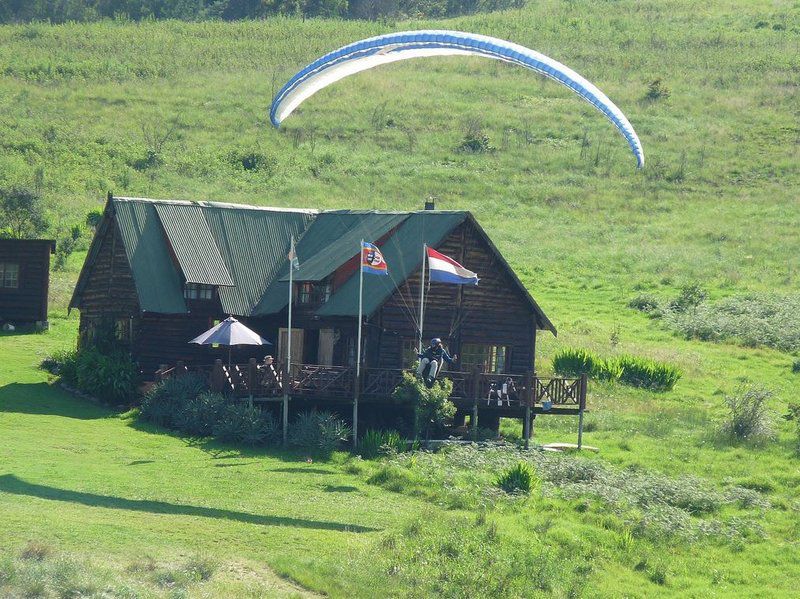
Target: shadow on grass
x,y
16,486
47,400
301,470
339,489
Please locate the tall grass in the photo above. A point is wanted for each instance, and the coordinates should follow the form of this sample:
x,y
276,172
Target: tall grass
x,y
629,370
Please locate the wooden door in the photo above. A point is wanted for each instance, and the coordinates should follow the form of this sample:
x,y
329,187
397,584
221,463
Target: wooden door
x,y
297,345
327,339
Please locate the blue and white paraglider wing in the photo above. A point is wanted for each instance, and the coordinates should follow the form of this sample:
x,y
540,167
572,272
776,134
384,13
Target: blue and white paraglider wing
x,y
393,47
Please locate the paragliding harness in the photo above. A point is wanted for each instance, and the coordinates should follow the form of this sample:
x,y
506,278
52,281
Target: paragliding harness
x,y
431,360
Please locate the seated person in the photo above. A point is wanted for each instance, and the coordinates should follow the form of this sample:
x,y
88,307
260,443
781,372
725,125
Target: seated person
x,y
431,359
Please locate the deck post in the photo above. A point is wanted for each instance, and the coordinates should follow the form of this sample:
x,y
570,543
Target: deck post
x,y
285,419
252,376
526,425
581,408
475,386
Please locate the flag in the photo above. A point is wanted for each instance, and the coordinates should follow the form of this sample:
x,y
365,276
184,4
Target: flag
x,y
446,270
295,263
372,261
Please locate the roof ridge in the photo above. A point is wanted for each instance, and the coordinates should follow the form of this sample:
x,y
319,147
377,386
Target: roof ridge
x,y
207,204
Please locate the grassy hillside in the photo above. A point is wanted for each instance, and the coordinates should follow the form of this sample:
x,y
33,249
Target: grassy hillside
x,y
179,110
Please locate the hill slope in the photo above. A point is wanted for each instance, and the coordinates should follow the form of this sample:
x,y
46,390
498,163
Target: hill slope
x,y
179,110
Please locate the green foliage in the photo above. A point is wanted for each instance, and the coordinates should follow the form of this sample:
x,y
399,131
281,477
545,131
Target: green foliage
x,y
691,296
241,423
318,431
794,415
749,417
198,416
578,361
647,303
165,403
796,366
517,479
647,373
770,320
111,377
656,90
431,406
374,443
22,213
475,140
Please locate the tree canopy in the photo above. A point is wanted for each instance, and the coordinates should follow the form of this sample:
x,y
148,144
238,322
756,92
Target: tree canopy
x,y
60,11
22,213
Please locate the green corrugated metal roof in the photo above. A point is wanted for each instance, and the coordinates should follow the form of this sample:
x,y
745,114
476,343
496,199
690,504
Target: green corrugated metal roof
x,y
158,282
194,247
403,254
368,226
254,244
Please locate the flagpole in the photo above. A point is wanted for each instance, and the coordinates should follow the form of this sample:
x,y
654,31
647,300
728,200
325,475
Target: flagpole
x,y
358,344
422,293
287,382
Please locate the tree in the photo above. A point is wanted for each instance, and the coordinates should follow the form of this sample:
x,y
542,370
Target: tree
x,y
22,213
431,406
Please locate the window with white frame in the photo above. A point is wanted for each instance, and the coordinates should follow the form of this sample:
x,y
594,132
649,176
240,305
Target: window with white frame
x,y
196,291
9,275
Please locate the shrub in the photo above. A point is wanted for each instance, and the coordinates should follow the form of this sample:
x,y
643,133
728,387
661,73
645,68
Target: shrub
x,y
318,431
796,366
198,415
374,443
647,303
749,418
656,90
249,425
517,479
165,403
794,414
431,406
111,377
577,361
475,140
690,296
647,373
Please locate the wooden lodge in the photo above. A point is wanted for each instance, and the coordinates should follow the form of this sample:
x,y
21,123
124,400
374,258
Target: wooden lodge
x,y
159,273
25,280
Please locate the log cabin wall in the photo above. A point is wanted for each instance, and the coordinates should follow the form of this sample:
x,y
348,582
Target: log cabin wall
x,y
27,301
109,293
495,312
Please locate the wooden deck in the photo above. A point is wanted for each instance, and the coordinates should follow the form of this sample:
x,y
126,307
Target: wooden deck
x,y
338,384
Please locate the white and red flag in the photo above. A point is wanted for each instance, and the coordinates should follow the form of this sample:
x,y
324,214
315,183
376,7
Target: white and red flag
x,y
444,269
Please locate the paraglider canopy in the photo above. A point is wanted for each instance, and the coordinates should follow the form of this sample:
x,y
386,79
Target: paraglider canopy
x,y
393,47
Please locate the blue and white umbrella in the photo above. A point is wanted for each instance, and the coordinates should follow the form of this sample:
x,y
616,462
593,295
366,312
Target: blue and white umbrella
x,y
230,332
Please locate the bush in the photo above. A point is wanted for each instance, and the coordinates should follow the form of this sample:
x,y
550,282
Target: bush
x,y
249,425
431,406
165,403
375,443
749,418
111,377
796,366
199,415
794,414
318,431
577,361
690,296
517,479
647,303
647,373
754,320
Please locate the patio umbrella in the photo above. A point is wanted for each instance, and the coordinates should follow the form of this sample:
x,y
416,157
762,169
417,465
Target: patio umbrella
x,y
230,332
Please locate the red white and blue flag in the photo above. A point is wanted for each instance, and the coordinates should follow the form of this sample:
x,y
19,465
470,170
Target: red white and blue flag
x,y
446,270
372,261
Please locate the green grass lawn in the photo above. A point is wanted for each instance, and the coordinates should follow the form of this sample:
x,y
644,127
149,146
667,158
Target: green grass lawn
x,y
80,106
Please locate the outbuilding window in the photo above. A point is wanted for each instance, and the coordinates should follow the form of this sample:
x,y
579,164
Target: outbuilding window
x,y
314,293
491,358
9,275
196,291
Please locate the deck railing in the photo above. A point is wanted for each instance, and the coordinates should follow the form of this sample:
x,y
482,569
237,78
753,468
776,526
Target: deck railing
x,y
315,381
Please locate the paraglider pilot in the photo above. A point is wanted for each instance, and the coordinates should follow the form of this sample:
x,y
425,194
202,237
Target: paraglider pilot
x,y
431,360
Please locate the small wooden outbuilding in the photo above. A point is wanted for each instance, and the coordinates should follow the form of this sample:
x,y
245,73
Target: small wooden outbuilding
x,y
25,280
